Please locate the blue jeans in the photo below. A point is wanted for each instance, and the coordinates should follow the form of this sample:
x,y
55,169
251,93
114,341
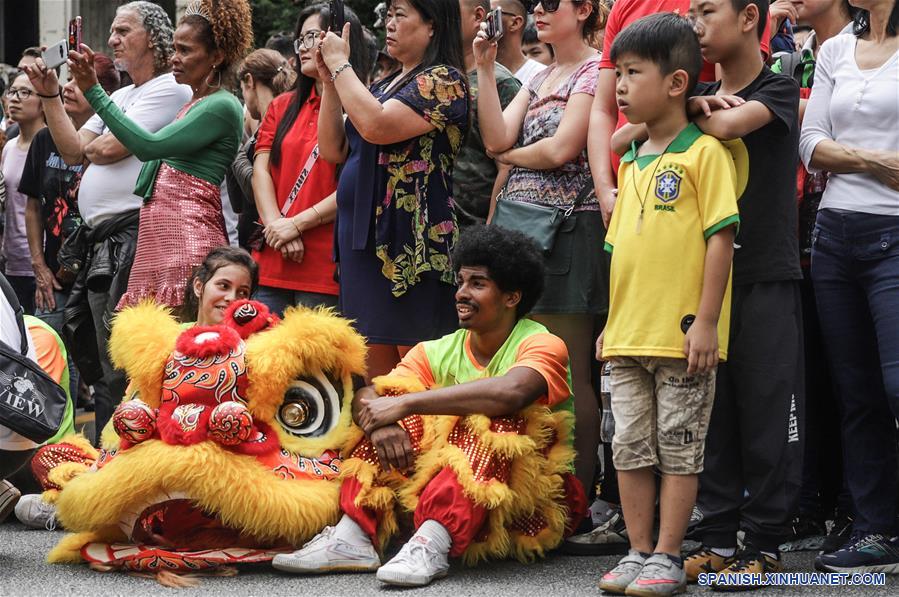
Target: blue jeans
x,y
278,299
855,270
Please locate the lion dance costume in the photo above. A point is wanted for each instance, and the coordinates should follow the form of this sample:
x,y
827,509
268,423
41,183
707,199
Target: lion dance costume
x,y
227,451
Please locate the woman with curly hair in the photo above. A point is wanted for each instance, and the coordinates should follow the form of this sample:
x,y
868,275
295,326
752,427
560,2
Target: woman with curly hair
x,y
184,162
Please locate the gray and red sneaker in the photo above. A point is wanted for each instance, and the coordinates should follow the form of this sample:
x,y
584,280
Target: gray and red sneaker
x,y
659,576
617,579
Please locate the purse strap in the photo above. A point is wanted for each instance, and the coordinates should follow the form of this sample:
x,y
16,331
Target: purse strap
x,y
301,180
13,300
581,197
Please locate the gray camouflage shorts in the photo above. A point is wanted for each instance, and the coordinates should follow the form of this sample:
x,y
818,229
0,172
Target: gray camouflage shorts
x,y
661,414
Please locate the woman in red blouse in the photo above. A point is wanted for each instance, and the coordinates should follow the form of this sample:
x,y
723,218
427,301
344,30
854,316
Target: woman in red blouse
x,y
293,188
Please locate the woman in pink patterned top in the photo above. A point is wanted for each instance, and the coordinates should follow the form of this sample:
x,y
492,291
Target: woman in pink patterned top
x,y
542,134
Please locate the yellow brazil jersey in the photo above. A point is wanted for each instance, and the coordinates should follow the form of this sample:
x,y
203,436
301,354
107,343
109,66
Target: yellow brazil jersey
x,y
658,258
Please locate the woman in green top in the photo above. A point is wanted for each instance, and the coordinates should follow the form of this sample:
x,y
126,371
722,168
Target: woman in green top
x,y
185,162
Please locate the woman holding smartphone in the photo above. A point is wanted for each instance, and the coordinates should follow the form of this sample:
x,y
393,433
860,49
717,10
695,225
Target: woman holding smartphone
x,y
542,134
395,222
184,162
294,188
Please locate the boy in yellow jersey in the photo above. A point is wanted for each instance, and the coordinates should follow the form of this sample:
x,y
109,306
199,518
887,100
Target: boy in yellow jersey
x,y
671,239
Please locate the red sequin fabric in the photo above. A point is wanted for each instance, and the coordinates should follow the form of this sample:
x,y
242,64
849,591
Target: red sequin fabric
x,y
415,428
52,455
179,225
531,525
485,463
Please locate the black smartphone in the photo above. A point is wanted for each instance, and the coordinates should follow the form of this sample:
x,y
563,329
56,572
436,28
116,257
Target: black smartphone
x,y
494,22
338,18
75,34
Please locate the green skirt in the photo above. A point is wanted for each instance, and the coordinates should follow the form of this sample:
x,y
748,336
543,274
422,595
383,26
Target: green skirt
x,y
577,270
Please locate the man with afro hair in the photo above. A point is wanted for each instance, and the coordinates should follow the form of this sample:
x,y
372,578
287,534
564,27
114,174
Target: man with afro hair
x,y
470,433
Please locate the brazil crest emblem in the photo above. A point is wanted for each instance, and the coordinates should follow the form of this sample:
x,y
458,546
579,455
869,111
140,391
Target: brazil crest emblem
x,y
668,186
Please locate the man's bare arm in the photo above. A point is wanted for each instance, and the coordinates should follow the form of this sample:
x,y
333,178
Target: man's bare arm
x,y
105,149
492,397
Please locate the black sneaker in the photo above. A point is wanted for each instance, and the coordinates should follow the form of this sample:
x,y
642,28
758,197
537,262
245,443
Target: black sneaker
x,y
608,537
864,553
839,535
808,535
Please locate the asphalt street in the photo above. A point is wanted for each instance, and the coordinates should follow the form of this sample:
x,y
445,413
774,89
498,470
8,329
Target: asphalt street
x,y
23,572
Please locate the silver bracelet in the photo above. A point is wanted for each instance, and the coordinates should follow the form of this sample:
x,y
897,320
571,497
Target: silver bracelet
x,y
339,70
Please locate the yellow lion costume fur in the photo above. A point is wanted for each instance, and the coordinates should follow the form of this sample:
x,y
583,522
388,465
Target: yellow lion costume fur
x,y
227,450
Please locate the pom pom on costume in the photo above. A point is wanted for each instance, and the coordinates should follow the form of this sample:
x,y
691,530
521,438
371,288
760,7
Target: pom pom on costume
x,y
134,421
207,458
248,317
230,423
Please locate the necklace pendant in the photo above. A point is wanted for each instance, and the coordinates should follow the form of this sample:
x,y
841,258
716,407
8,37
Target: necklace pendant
x,y
640,222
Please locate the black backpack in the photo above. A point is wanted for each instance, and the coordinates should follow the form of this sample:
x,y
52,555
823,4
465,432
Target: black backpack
x,y
31,403
794,65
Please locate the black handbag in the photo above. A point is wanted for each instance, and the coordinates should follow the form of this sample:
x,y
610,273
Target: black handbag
x,y
31,403
540,222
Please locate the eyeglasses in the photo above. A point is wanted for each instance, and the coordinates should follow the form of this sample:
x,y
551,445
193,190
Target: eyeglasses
x,y
19,92
549,5
307,41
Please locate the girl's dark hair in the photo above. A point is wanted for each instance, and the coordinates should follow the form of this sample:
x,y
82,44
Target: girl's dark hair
x,y
446,43
215,260
861,20
359,58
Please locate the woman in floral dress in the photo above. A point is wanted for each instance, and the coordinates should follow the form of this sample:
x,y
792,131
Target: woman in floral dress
x,y
395,222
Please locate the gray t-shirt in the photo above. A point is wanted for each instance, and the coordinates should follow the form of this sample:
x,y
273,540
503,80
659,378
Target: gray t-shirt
x,y
474,172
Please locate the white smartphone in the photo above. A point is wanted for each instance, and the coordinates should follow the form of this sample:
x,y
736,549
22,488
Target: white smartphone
x,y
56,54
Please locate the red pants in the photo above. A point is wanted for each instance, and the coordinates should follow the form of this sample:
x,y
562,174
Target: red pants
x,y
443,501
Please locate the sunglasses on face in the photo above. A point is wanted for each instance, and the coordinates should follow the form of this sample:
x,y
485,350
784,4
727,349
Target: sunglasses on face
x,y
307,41
548,5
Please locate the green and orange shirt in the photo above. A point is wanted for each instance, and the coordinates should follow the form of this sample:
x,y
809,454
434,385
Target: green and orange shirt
x,y
449,361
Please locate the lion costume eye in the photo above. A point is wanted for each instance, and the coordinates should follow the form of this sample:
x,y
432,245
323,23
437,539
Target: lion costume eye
x,y
311,406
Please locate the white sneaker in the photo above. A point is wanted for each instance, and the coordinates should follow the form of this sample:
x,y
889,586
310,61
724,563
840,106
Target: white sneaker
x,y
328,553
34,512
9,495
416,565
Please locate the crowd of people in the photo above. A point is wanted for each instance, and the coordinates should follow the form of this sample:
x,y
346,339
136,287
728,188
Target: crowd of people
x,y
689,191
